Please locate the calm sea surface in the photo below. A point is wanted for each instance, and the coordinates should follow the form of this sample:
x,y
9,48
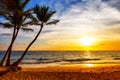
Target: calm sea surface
x,y
67,57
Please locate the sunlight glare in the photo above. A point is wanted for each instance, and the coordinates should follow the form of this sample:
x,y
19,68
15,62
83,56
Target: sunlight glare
x,y
87,41
89,65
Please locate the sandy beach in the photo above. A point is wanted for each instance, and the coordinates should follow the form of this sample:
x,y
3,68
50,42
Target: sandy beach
x,y
67,72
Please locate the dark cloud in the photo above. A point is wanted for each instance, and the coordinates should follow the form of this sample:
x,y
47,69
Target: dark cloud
x,y
6,34
113,3
113,23
47,31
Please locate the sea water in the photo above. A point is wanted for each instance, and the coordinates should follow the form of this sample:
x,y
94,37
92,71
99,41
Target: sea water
x,y
66,57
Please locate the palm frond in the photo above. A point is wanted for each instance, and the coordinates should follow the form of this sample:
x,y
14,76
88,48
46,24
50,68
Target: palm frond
x,y
49,15
2,12
25,3
27,29
52,22
18,4
43,13
27,14
10,4
28,23
37,11
32,18
6,25
4,8
2,5
29,11
1,24
8,17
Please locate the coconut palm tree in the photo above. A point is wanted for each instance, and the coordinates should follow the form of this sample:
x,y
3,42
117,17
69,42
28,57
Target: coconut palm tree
x,y
16,19
44,15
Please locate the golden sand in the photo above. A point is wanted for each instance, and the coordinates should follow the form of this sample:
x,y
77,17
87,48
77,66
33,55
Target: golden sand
x,y
67,72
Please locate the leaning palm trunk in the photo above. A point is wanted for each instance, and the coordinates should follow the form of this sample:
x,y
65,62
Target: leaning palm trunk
x,y
20,59
3,62
10,51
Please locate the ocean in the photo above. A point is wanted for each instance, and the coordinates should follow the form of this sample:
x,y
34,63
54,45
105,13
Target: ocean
x,y
66,57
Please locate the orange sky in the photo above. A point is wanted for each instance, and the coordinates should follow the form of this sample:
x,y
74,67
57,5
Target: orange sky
x,y
100,45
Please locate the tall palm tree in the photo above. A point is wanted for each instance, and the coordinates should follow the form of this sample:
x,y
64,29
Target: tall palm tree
x,y
17,19
43,15
5,11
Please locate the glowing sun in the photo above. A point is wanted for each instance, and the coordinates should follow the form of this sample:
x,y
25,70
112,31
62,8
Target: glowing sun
x,y
87,41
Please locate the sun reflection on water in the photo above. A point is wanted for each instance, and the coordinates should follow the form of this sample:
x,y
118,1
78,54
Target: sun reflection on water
x,y
89,65
87,54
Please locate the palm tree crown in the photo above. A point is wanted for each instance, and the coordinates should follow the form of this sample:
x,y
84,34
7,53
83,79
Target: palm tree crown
x,y
17,14
44,14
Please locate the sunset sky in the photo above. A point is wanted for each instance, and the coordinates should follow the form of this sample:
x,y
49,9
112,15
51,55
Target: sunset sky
x,y
97,19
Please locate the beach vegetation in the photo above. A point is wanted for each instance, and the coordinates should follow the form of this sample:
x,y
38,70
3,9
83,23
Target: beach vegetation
x,y
14,15
43,15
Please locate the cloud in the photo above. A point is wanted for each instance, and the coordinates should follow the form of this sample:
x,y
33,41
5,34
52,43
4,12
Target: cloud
x,y
47,31
86,18
6,34
113,3
114,30
113,22
79,18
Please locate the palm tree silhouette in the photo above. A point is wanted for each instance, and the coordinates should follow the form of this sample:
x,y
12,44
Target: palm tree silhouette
x,y
43,15
13,11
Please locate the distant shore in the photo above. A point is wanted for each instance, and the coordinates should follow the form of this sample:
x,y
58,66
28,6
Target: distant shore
x,y
66,72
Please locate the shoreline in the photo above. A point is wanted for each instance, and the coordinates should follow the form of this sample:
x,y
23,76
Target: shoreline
x,y
67,72
73,68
